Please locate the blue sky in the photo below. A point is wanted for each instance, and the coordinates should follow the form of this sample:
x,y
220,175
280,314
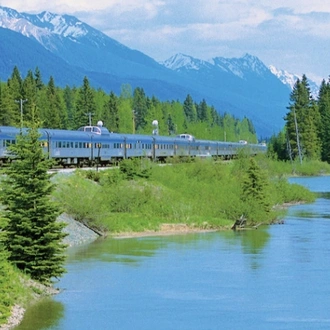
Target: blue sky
x,y
293,35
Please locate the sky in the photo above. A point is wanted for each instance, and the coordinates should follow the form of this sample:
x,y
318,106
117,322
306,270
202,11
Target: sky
x,y
292,35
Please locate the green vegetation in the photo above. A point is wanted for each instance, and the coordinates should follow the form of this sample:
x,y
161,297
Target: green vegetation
x,y
139,195
203,194
305,136
31,248
131,111
31,234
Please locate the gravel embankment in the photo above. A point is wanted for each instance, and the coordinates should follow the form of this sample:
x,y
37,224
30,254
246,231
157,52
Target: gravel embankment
x,y
78,233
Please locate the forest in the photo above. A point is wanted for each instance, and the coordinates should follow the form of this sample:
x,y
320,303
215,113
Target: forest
x,y
130,112
306,135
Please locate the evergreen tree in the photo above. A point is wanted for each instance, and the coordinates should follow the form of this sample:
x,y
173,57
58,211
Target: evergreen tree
x,y
33,236
140,109
324,110
69,96
14,95
255,192
85,105
55,114
303,122
189,109
110,115
38,79
29,94
202,112
277,146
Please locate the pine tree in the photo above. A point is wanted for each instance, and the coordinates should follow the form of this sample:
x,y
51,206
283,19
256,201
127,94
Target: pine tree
x,y
140,109
202,111
85,105
255,192
189,109
33,236
303,122
110,115
29,95
55,115
38,79
324,109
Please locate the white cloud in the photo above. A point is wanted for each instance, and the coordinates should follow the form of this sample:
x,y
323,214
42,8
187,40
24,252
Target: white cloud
x,y
294,35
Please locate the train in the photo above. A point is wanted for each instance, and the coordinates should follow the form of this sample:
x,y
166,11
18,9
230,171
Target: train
x,y
96,145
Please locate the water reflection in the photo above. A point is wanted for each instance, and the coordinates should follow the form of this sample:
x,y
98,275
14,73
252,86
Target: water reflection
x,y
251,241
131,250
44,314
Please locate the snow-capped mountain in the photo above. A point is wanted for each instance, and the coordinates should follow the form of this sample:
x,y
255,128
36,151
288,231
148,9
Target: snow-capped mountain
x,y
287,78
182,62
68,49
290,79
241,67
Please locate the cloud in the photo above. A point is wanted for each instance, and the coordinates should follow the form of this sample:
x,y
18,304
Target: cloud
x,y
291,34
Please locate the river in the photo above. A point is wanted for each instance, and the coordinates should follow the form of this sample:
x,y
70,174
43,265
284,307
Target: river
x,y
276,277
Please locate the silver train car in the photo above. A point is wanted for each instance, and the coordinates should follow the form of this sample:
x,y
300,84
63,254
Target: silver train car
x,y
91,145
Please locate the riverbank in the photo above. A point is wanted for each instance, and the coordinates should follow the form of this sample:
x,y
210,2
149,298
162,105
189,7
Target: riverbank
x,y
167,229
79,234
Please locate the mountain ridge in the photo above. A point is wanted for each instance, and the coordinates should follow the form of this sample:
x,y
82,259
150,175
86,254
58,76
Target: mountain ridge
x,y
242,86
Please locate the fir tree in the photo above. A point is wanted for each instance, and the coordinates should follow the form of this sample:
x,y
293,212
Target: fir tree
x,y
33,236
324,109
140,109
302,122
85,105
189,109
255,192
29,95
110,115
9,113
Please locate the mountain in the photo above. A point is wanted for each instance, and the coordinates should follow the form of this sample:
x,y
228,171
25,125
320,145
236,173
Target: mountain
x,y
240,83
68,49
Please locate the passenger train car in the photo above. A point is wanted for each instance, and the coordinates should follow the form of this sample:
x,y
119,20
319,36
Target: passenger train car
x,y
96,145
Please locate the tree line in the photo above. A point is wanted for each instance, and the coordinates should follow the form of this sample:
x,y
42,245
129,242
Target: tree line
x,y
130,112
306,133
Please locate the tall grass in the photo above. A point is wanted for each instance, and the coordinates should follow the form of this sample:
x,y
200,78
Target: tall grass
x,y
201,193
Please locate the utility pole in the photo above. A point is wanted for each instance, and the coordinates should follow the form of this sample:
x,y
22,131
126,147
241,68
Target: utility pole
x,y
21,109
89,114
133,113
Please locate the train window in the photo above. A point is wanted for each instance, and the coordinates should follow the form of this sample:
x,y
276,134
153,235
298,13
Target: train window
x,y
9,142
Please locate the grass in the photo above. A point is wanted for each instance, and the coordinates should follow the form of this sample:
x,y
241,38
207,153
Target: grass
x,y
201,193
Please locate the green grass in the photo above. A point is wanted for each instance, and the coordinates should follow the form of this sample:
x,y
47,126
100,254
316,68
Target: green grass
x,y
201,193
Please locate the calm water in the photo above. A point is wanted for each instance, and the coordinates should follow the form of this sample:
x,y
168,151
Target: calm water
x,y
272,278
